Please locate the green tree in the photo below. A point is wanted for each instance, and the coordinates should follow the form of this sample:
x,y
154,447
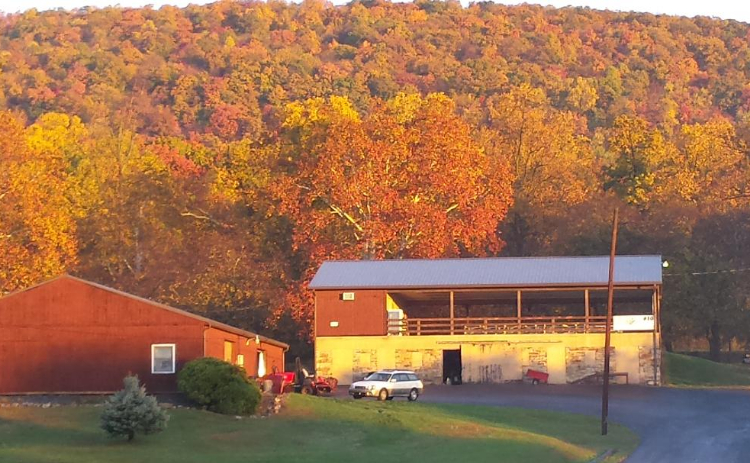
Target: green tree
x,y
708,297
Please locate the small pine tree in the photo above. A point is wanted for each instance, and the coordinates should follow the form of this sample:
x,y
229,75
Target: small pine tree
x,y
131,410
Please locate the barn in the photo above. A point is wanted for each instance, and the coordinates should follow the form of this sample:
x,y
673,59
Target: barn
x,y
69,335
488,319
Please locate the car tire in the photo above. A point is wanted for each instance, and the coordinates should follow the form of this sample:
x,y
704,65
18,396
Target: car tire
x,y
534,381
357,396
413,395
383,395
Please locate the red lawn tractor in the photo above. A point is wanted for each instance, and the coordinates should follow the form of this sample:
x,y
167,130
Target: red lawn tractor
x,y
302,382
319,385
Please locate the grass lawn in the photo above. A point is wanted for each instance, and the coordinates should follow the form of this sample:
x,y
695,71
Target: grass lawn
x,y
317,430
684,370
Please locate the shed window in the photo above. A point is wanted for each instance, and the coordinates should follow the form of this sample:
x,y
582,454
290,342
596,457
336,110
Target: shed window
x,y
162,359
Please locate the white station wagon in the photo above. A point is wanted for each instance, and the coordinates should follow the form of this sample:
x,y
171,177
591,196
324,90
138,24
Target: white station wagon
x,y
387,384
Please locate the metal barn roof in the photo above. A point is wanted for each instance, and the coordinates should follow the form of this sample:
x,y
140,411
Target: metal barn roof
x,y
487,272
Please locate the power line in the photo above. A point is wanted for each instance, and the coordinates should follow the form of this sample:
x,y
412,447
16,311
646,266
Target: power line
x,y
715,272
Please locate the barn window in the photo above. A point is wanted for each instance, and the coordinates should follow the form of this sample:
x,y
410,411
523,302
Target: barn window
x,y
162,359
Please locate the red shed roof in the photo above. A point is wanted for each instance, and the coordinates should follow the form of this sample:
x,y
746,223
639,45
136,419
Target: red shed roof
x,y
211,323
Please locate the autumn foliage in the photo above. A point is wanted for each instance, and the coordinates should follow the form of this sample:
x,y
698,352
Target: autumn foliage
x,y
211,157
389,185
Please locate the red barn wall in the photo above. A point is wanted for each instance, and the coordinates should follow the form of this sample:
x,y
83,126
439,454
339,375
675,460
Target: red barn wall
x,y
68,336
215,339
242,345
274,357
364,316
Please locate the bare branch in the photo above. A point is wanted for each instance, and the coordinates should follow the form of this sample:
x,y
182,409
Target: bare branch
x,y
740,194
204,216
338,211
127,264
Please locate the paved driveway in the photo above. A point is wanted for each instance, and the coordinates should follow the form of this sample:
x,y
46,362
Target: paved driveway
x,y
675,425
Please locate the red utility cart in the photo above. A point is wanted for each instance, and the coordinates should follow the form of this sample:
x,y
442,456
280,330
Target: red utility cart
x,y
536,376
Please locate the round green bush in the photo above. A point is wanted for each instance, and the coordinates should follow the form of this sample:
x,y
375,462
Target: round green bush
x,y
219,386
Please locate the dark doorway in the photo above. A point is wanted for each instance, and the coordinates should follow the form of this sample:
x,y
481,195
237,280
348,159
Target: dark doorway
x,y
452,366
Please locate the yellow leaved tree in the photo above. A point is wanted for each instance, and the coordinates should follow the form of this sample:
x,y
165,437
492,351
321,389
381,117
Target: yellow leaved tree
x,y
37,200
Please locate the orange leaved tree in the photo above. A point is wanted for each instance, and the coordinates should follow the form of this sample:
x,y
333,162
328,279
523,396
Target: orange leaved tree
x,y
405,180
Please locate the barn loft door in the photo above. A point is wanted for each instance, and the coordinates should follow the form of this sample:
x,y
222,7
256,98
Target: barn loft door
x,y
228,351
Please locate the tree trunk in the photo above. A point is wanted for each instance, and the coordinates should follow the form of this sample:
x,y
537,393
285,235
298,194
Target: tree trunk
x,y
131,435
714,341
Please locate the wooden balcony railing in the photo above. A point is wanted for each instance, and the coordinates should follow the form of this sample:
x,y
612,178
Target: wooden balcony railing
x,y
497,325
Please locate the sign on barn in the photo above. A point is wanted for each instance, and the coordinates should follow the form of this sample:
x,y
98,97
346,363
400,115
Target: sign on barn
x,y
633,322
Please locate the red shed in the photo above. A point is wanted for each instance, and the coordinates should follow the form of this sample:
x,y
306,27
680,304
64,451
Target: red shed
x,y
69,335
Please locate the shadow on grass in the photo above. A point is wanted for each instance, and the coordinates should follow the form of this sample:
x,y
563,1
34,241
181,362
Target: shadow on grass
x,y
540,429
311,429
576,429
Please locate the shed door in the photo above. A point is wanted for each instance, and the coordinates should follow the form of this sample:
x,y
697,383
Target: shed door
x,y
261,364
228,351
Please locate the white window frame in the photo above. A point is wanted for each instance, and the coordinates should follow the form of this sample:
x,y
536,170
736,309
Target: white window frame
x,y
174,359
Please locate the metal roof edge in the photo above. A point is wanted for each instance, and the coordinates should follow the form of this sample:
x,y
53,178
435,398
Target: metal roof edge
x,y
508,287
439,259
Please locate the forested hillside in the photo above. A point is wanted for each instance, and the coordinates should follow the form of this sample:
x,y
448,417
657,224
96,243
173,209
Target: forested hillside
x,y
211,157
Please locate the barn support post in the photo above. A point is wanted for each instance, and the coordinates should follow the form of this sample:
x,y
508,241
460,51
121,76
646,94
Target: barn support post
x,y
452,314
518,309
657,320
587,310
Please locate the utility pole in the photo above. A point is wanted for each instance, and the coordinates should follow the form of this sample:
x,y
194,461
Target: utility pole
x,y
608,327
